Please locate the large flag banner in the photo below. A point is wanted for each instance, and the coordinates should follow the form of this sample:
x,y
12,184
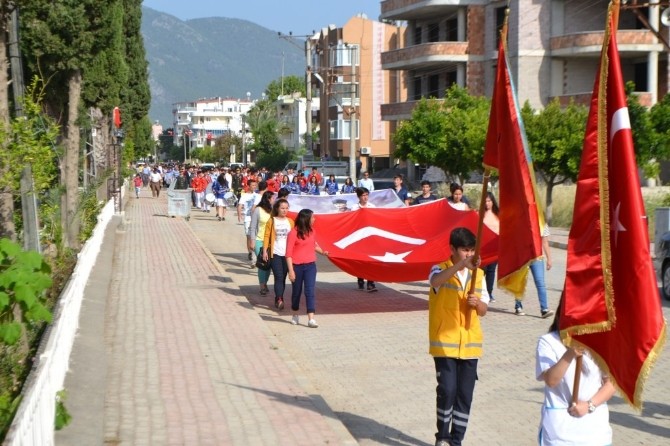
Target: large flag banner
x,y
611,302
333,204
521,220
396,244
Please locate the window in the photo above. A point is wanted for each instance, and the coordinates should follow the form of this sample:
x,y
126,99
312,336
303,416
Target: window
x,y
434,32
451,79
417,35
343,55
417,88
500,20
434,86
339,130
451,26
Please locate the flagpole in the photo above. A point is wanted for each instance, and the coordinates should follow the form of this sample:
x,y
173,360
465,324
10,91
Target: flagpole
x,y
575,384
478,240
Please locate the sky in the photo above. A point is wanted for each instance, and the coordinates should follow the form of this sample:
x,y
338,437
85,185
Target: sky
x,y
297,16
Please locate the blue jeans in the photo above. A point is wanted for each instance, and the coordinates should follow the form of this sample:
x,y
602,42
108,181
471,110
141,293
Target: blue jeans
x,y
537,269
305,273
490,276
279,271
263,276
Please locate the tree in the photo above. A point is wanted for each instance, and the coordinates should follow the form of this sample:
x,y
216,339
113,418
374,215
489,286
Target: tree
x,y
555,138
285,86
660,121
645,138
448,134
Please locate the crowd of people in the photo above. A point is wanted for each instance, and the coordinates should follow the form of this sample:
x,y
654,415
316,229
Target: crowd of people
x,y
289,247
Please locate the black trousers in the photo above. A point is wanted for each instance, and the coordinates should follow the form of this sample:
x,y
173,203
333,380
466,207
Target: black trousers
x,y
455,386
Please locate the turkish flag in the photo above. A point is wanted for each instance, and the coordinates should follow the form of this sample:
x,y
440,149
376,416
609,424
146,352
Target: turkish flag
x,y
521,221
611,302
396,244
117,117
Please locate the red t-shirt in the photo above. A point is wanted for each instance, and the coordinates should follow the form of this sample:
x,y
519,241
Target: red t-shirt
x,y
301,251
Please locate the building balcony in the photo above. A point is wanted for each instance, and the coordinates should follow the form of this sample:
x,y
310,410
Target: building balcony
x,y
425,55
422,9
398,111
631,43
585,99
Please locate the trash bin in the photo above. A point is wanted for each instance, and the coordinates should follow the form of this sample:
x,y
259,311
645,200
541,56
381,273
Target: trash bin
x,y
179,202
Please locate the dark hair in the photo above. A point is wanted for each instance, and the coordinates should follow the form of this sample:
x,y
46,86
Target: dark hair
x,y
262,185
313,179
221,179
348,181
557,316
494,208
284,177
454,187
425,183
303,223
397,176
275,207
283,192
462,238
265,202
362,190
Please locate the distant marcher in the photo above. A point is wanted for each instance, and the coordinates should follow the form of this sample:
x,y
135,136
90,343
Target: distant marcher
x,y
274,247
348,186
400,189
537,267
220,188
366,182
155,181
426,195
137,181
456,345
259,218
363,203
586,422
456,200
492,221
301,249
313,186
245,205
331,185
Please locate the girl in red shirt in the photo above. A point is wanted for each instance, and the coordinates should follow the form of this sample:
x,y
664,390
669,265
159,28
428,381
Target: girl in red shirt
x,y
301,249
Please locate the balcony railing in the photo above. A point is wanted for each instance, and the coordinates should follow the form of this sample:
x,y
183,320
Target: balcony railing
x,y
590,43
424,54
411,9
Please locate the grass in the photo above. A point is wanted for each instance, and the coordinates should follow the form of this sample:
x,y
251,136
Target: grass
x,y
563,201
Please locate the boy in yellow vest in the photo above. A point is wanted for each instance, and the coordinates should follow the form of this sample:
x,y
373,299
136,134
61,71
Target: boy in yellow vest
x,y
455,334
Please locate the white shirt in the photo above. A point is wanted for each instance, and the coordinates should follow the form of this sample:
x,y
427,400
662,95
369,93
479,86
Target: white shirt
x,y
366,183
155,177
557,427
358,206
282,228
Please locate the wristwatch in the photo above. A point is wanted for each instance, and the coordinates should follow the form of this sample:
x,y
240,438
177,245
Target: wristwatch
x,y
592,407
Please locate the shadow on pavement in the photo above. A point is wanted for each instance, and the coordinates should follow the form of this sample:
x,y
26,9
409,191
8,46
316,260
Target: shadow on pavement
x,y
651,410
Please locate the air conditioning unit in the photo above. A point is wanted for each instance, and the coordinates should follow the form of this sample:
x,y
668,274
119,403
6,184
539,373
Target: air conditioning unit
x,y
366,150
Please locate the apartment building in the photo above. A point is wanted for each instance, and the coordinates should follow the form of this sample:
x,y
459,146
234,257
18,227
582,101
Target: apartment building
x,y
349,81
553,48
204,120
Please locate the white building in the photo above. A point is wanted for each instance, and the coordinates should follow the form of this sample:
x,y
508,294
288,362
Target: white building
x,y
292,120
204,120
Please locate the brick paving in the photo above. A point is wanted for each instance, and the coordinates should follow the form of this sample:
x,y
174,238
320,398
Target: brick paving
x,y
196,356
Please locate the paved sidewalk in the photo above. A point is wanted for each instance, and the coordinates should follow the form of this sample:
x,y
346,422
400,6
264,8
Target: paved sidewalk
x,y
194,355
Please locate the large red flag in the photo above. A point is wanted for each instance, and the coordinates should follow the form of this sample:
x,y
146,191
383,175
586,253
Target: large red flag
x,y
396,244
611,302
521,220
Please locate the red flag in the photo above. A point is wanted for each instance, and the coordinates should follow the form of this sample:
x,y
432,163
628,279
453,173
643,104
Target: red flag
x,y
611,302
396,244
521,220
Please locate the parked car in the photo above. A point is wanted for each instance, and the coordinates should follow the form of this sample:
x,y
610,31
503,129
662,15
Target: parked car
x,y
662,263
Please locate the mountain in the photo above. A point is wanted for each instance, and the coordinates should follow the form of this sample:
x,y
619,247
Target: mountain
x,y
205,58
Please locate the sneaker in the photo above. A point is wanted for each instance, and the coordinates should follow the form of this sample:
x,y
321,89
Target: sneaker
x,y
491,299
442,443
547,313
280,304
519,312
295,320
219,218
372,288
264,291
312,323
361,288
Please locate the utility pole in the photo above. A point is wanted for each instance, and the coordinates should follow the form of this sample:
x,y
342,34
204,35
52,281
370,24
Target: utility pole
x,y
244,147
308,96
352,118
